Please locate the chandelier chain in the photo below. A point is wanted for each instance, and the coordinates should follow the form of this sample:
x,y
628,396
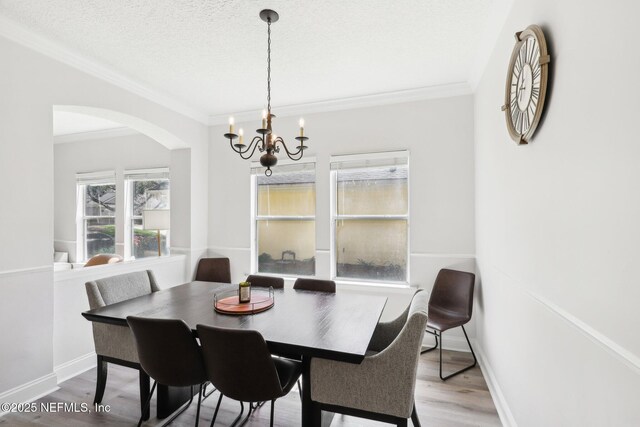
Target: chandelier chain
x,y
269,66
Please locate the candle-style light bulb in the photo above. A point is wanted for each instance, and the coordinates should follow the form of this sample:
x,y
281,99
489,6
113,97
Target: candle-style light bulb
x,y
264,119
231,123
301,122
241,134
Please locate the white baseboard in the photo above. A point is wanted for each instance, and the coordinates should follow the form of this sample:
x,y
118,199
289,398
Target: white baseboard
x,y
30,391
75,367
505,414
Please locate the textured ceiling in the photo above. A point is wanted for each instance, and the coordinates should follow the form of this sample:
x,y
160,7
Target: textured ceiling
x,y
212,54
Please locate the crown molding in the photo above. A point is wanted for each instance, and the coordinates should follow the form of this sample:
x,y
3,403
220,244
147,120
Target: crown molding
x,y
496,21
94,134
21,35
386,98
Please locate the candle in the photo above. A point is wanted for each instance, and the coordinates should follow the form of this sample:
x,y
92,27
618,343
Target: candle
x,y
231,122
241,133
301,127
264,119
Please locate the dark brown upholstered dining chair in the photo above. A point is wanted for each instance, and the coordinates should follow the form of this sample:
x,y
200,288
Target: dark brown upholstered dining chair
x,y
450,306
170,354
266,281
214,270
315,285
240,366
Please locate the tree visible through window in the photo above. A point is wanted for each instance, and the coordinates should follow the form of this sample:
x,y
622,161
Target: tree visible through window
x,y
147,191
99,219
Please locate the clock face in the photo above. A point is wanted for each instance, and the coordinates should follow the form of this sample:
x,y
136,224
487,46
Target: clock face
x,y
526,84
524,93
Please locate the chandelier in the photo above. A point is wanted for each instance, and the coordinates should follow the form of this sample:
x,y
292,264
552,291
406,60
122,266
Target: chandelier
x,y
266,141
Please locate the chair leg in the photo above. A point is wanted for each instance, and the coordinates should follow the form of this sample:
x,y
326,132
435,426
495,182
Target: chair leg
x,y
402,422
215,414
147,403
144,381
255,405
435,335
204,390
475,361
239,415
101,379
273,402
200,393
414,416
300,389
249,411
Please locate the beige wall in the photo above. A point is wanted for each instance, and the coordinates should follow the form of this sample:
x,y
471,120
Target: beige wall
x,y
376,241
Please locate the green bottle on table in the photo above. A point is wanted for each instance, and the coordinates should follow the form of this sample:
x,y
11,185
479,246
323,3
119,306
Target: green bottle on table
x,y
244,292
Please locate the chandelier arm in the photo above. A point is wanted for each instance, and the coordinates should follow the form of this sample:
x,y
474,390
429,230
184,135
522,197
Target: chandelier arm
x,y
255,142
267,143
291,155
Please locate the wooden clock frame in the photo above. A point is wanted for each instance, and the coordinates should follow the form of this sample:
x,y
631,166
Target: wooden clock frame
x,y
535,32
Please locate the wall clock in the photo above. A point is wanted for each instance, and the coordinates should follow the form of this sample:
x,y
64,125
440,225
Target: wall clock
x,y
526,84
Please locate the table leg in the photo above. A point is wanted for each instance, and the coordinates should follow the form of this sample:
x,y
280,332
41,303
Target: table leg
x,y
171,399
311,414
144,393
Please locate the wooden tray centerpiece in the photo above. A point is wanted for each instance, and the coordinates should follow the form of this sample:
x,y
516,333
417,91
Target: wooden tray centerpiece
x,y
229,302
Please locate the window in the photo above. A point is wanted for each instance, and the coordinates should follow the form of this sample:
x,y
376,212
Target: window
x,y
96,214
146,190
284,230
370,217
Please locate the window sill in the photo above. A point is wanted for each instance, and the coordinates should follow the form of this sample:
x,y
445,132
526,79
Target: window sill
x,y
112,269
373,284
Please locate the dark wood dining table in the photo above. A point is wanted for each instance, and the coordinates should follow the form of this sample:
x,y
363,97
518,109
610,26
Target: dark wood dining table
x,y
301,324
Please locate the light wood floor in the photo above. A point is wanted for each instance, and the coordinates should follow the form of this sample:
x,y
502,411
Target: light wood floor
x,y
460,401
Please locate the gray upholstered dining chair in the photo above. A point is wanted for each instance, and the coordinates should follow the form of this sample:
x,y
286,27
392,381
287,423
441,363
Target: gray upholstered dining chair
x,y
114,343
382,386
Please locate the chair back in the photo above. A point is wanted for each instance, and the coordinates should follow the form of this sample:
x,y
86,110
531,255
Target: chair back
x,y
453,292
315,285
239,364
266,281
404,354
214,270
168,351
111,290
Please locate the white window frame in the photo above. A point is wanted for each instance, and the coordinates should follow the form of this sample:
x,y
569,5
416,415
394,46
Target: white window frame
x,y
255,170
82,181
335,217
130,176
